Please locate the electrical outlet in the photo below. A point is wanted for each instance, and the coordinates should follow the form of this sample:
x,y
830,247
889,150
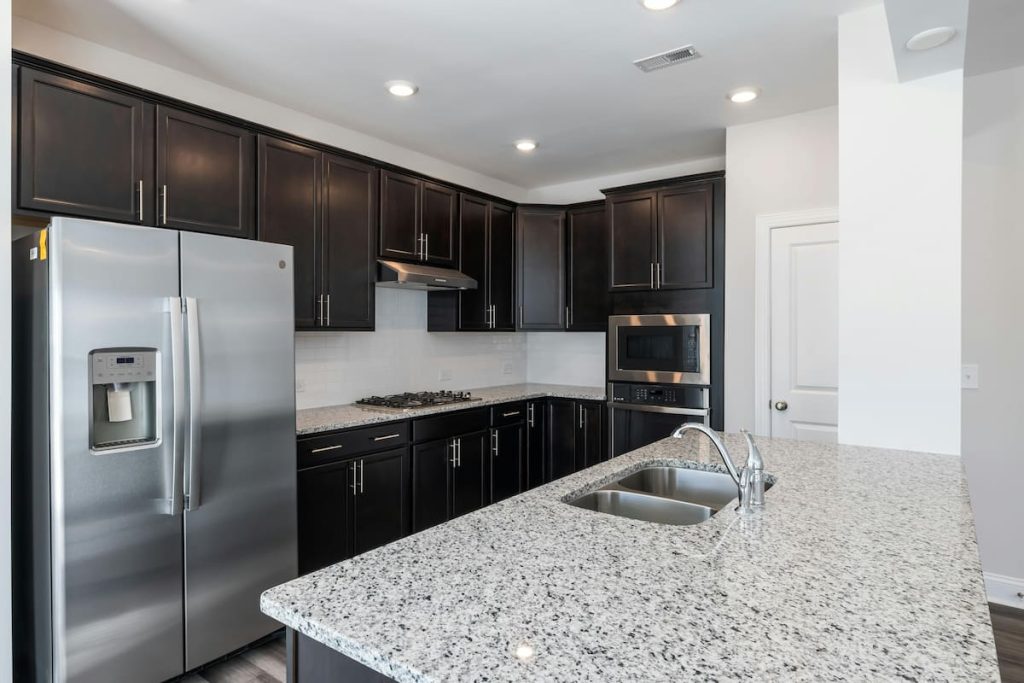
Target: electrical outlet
x,y
444,375
300,385
969,377
508,369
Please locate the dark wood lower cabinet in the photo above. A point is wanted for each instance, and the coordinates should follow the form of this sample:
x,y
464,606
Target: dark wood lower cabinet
x,y
537,470
323,518
468,474
575,435
313,662
590,439
379,493
430,463
507,448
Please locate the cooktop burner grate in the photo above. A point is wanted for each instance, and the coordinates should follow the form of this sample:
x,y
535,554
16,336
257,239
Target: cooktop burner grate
x,y
420,399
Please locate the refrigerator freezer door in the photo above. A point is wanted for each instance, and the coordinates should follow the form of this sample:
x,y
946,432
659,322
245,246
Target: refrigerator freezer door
x,y
240,526
116,548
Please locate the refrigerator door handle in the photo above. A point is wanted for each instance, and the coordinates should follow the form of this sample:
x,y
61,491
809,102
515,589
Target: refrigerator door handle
x,y
195,399
177,497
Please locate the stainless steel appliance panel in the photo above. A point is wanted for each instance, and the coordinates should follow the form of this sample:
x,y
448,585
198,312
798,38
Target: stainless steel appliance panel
x,y
635,426
240,518
677,362
116,562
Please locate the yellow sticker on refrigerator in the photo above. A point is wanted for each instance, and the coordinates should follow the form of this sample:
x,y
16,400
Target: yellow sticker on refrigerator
x,y
42,245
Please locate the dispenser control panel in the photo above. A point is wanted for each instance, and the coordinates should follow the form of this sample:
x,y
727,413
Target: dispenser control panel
x,y
119,366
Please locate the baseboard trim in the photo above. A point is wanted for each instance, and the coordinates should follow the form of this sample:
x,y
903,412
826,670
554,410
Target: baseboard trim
x,y
1004,590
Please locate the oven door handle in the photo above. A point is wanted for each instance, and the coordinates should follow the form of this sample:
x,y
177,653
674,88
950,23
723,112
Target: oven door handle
x,y
696,412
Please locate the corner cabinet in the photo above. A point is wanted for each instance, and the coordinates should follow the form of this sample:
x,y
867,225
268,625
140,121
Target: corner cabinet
x,y
417,220
587,298
325,207
540,257
662,238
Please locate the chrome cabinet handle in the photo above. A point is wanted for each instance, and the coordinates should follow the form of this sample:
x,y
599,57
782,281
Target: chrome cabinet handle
x,y
458,451
362,476
328,310
320,319
385,438
568,317
657,275
195,401
652,274
426,247
511,414
354,467
581,416
328,448
494,442
520,315
494,316
141,199
451,447
164,205
177,499
529,414
781,406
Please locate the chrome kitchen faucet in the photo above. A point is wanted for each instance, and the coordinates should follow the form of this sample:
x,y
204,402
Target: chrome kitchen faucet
x,y
749,480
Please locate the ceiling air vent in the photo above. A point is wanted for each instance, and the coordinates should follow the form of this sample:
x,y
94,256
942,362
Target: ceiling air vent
x,y
674,56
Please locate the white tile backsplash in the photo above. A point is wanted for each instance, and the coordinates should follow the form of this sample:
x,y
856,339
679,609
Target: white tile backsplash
x,y
566,358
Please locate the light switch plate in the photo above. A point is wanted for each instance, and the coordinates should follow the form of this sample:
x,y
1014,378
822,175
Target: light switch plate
x,y
507,369
444,375
969,377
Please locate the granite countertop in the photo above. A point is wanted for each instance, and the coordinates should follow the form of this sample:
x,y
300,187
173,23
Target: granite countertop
x,y
862,566
330,418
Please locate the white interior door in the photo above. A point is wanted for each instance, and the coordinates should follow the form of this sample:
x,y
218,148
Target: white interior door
x,y
804,332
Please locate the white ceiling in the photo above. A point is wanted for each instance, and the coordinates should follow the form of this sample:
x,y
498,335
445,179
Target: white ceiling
x,y
491,72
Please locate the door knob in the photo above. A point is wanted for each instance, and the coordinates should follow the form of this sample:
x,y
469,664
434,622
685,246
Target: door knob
x,y
781,405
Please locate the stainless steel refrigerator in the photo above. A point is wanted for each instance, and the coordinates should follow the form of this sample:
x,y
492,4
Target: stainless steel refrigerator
x,y
154,448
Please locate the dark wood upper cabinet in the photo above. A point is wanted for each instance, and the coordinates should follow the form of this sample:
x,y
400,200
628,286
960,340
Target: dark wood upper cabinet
x,y
349,231
587,271
204,173
379,507
289,213
685,237
438,210
541,259
84,150
632,223
501,275
474,215
399,216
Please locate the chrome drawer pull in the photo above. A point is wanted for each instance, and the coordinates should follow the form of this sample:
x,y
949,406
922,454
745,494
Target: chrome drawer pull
x,y
327,448
513,413
385,438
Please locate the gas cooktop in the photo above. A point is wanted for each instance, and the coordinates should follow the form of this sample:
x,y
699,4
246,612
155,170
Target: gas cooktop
x,y
420,399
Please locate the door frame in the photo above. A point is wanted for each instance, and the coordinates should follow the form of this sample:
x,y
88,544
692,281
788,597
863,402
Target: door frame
x,y
763,226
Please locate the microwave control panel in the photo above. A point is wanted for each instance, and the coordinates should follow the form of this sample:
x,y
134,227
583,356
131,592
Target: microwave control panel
x,y
676,395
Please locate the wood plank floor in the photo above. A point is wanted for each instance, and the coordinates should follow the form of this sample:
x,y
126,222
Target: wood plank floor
x,y
1008,626
265,663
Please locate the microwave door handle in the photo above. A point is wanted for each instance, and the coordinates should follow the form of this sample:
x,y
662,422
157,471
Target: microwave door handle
x,y
195,400
177,497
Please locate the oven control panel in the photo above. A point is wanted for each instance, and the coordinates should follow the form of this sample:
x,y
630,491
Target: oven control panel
x,y
676,395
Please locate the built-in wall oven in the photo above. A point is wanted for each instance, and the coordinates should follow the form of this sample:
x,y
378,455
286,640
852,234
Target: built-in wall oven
x,y
659,376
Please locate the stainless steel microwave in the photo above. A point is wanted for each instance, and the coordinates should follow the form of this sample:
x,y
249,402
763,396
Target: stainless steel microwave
x,y
667,349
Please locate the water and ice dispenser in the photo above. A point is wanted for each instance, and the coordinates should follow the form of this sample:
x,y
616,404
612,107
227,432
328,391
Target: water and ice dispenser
x,y
123,403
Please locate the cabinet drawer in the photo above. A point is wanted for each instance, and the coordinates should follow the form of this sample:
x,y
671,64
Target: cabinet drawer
x,y
318,450
450,424
508,413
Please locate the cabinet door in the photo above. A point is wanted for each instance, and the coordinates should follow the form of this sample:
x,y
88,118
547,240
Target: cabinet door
x,y
349,226
536,452
473,303
541,267
399,216
84,150
438,224
323,515
501,272
587,276
289,213
205,174
380,500
685,238
632,224
590,438
468,474
562,437
507,446
430,463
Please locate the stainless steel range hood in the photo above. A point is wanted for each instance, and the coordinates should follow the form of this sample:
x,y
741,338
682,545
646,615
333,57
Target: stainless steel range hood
x,y
422,277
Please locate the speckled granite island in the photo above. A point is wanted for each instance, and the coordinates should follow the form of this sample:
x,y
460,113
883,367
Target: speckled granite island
x,y
862,566
315,420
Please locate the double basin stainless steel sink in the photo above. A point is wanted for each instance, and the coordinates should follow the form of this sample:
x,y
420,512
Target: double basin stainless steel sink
x,y
665,495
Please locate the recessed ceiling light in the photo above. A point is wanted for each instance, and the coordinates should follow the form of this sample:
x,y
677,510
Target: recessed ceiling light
x,y
526,145
933,37
401,88
744,95
658,5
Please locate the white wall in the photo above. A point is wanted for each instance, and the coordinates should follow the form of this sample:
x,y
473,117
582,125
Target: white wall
x,y
566,358
88,56
993,330
400,355
900,158
780,165
5,353
589,189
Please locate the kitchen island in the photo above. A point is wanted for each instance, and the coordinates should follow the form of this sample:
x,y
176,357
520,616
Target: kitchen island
x,y
863,565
